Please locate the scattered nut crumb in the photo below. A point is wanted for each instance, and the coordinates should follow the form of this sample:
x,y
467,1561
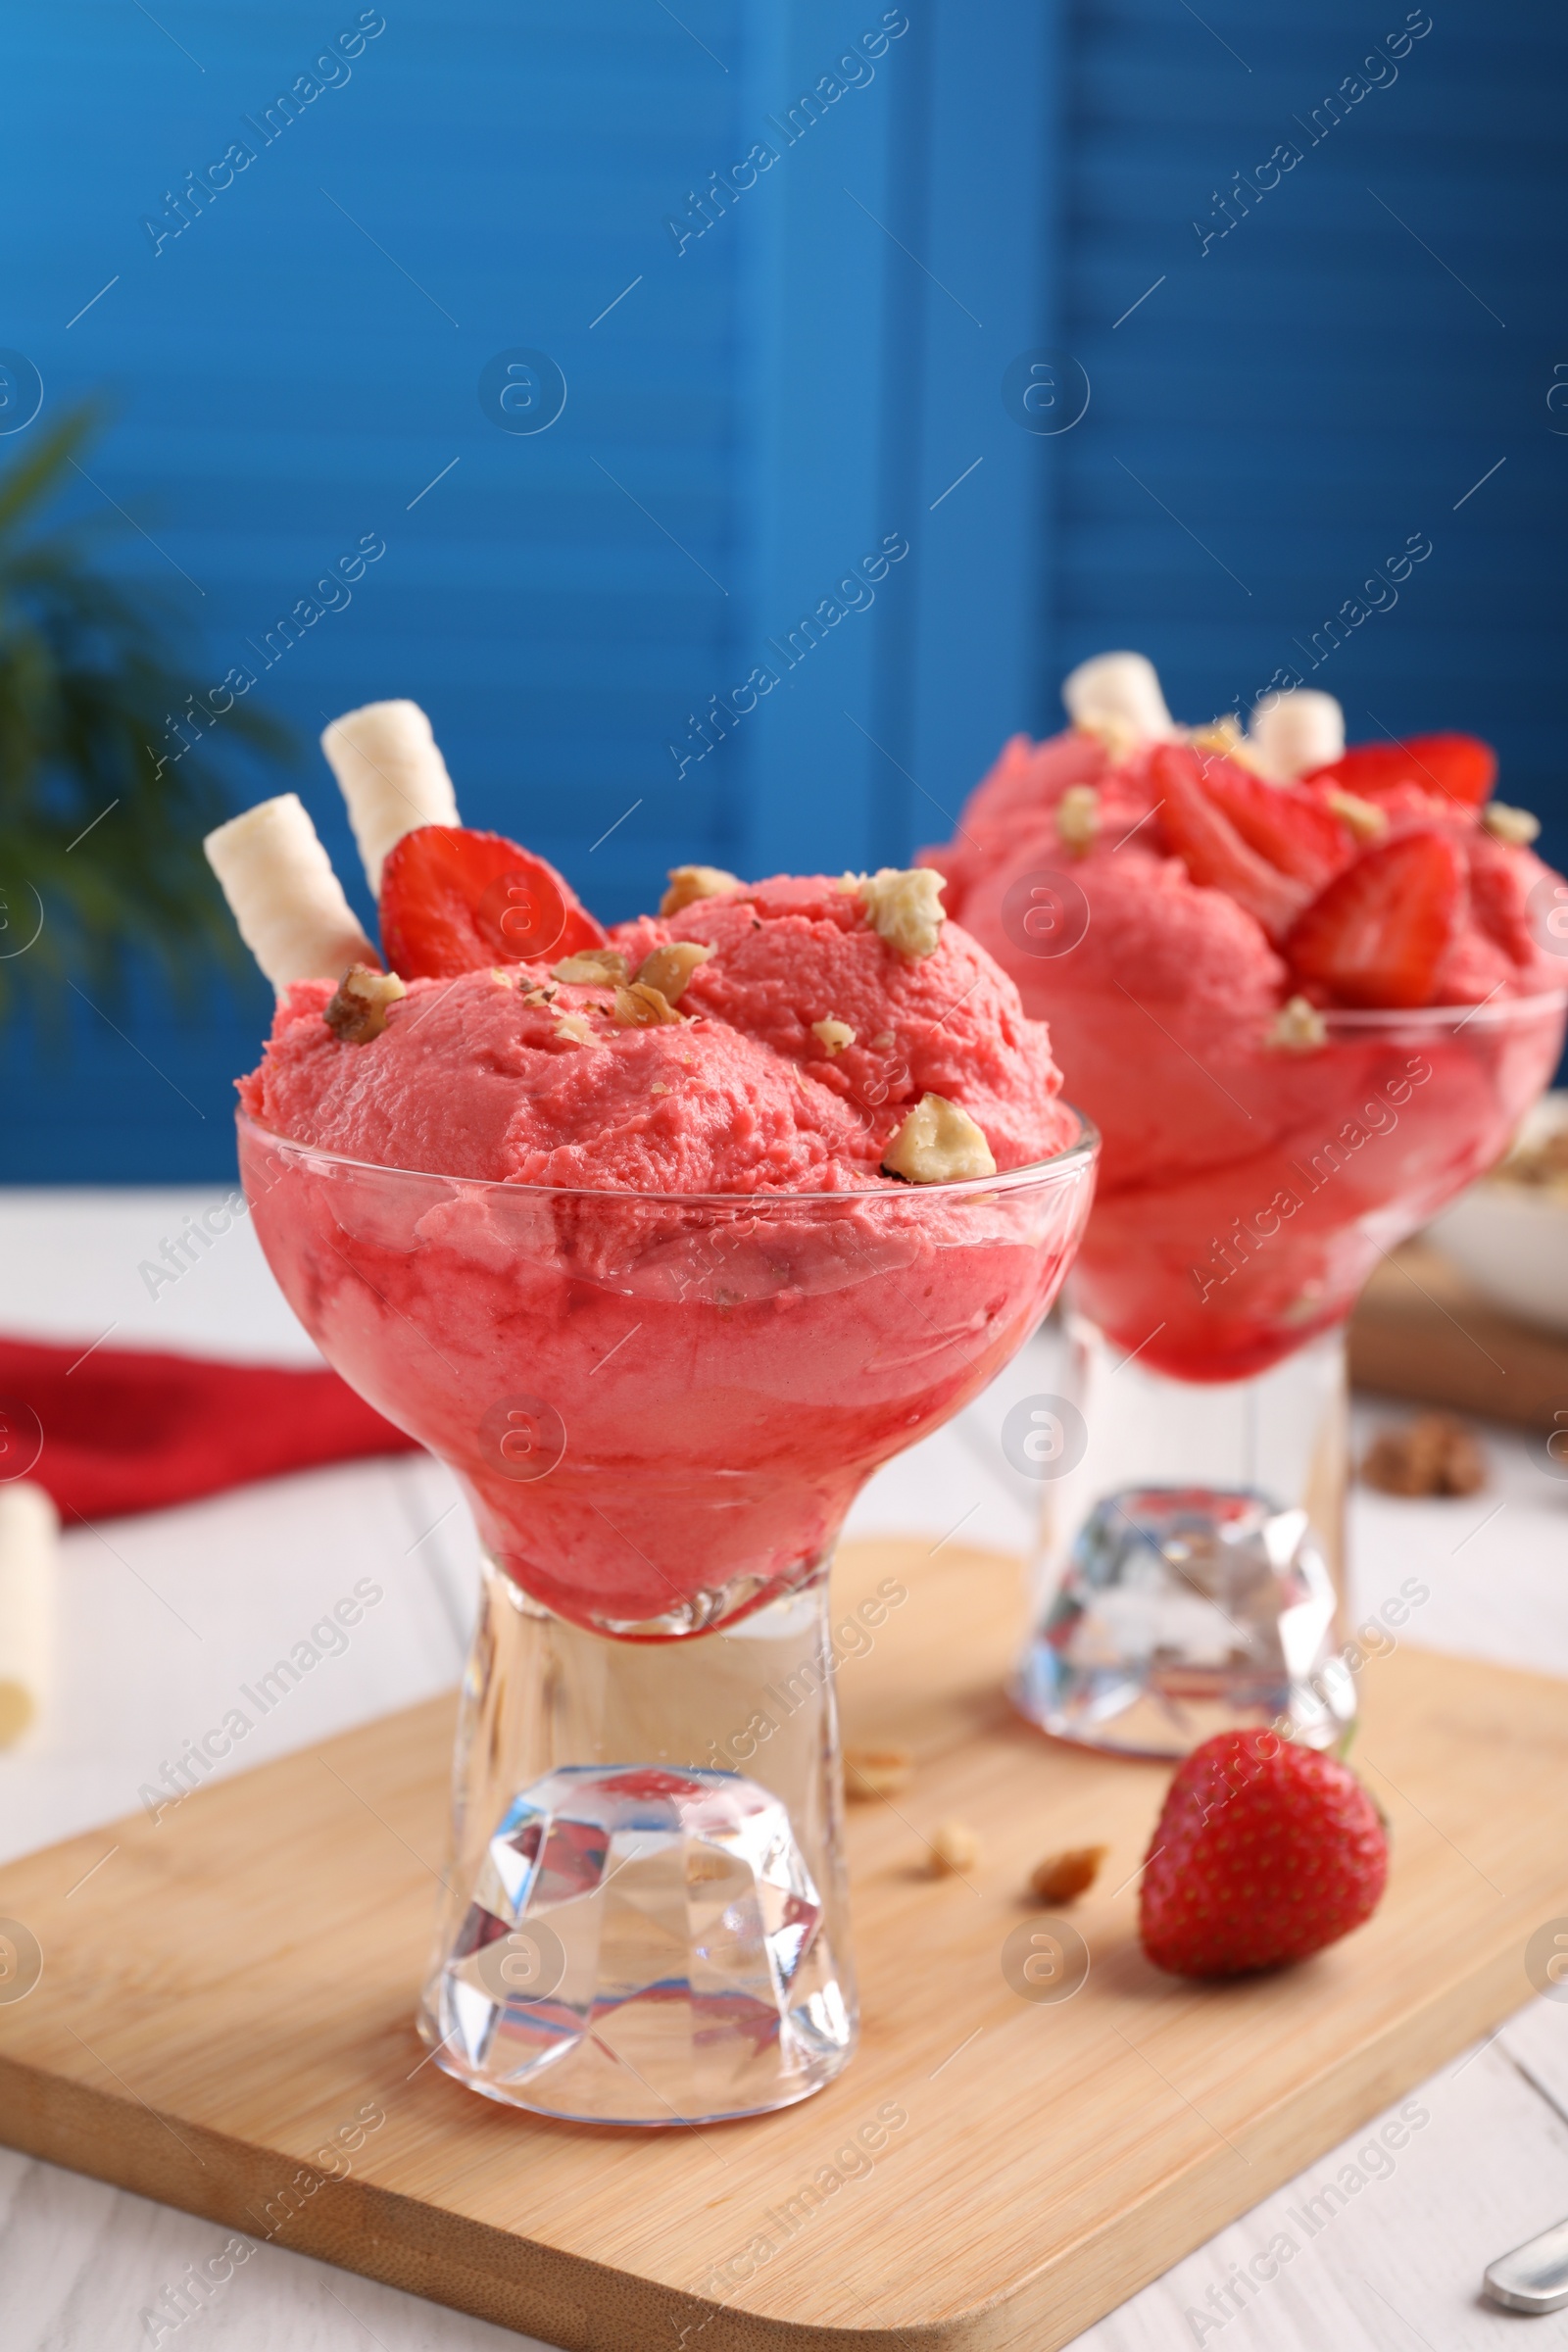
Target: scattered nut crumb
x,y
954,1849
905,908
659,1086
593,967
640,1006
1299,1027
1517,826
1366,820
669,969
537,996
573,1028
357,1012
500,975
870,1772
689,883
938,1144
1434,1454
883,1039
1078,818
833,1036
1062,1878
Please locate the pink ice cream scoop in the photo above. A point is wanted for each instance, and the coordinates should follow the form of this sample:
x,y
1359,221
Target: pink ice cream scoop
x,y
666,1243
1304,1000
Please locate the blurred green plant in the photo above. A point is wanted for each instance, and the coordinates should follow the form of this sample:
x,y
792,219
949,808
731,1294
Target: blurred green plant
x,y
101,825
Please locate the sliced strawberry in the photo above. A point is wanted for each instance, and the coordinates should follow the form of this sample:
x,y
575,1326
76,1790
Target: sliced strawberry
x,y
1211,849
1380,931
1295,830
453,901
1455,767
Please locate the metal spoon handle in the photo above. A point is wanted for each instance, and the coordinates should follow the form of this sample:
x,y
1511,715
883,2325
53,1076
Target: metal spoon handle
x,y
1535,2275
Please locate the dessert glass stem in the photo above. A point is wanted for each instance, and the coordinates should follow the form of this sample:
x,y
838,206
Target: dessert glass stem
x,y
1192,1556
646,1917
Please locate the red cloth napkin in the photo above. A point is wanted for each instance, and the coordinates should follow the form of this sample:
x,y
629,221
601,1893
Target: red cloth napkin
x,y
119,1430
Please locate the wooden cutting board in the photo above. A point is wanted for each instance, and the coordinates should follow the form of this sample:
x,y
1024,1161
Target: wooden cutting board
x,y
223,2022
1421,1330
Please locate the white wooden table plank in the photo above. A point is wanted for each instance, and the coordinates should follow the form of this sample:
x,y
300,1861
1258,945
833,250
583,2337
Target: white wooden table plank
x,y
167,1617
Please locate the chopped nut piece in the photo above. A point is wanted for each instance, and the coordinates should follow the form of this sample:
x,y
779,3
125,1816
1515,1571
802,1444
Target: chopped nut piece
x,y
640,1006
1366,820
833,1036
1078,817
1063,1877
357,1012
659,1086
883,1039
1517,826
593,967
537,996
1222,735
1299,1027
669,969
689,883
938,1144
870,1772
573,1028
1434,1454
955,1849
905,908
1543,1161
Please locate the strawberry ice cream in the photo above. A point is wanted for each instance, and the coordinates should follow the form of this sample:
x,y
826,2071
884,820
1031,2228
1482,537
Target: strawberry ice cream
x,y
664,1240
1304,1000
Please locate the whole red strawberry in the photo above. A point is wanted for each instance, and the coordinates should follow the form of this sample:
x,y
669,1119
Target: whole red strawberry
x,y
1264,1851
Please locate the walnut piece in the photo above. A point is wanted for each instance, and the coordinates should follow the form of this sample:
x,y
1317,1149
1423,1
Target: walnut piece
x,y
1366,820
954,1849
1298,1027
357,1012
573,1029
669,969
659,1086
833,1036
1516,826
1434,1454
593,967
689,883
938,1144
1078,818
1062,1878
641,1007
872,1772
905,908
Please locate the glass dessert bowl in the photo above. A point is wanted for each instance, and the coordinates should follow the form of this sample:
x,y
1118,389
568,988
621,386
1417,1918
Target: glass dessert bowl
x,y
660,1407
1307,994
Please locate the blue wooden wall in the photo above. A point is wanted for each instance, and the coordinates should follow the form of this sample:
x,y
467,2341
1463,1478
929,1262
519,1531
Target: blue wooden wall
x,y
758,413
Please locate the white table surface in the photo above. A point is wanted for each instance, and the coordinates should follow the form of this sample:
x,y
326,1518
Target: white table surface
x,y
165,1614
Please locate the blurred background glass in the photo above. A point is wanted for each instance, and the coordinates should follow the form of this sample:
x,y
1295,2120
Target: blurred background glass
x,y
604,360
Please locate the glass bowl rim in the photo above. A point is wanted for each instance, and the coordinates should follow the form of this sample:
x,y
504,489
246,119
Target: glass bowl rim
x,y
1070,1161
1492,1011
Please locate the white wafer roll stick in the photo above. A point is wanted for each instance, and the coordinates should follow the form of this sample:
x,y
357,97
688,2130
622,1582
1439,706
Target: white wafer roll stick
x,y
284,896
1294,733
1119,694
392,775
29,1547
